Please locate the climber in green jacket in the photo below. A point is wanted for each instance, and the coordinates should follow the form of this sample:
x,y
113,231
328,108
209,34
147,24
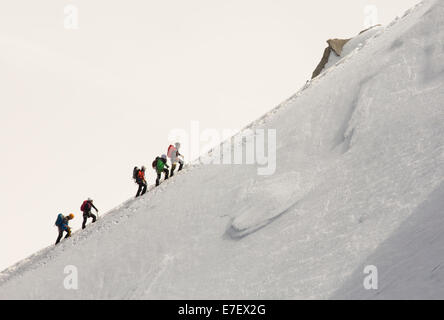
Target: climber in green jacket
x,y
160,165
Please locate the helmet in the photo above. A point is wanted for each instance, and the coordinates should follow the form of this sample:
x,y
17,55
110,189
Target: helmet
x,y
71,216
143,168
164,156
177,144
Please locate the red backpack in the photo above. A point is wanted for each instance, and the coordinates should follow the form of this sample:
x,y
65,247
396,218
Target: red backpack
x,y
85,206
171,149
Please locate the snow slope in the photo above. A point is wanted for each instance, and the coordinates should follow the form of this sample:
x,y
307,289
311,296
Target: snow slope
x,y
359,180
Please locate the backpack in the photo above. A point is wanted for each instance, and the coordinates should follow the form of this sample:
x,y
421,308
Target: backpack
x,y
85,206
154,164
135,173
59,220
170,151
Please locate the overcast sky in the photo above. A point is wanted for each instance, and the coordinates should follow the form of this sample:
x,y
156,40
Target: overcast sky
x,y
81,107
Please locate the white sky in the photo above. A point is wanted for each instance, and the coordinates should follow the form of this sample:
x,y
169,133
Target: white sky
x,y
80,108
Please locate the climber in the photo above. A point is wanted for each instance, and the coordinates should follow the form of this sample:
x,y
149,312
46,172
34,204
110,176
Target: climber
x,y
175,157
140,180
62,224
160,165
86,208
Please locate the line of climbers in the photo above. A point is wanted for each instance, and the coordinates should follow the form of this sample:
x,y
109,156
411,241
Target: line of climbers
x,y
159,165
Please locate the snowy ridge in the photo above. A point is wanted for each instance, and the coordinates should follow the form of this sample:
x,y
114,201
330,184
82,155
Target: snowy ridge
x,y
360,168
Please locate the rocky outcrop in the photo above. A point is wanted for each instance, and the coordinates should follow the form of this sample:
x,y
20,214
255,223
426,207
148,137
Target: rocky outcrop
x,y
334,45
